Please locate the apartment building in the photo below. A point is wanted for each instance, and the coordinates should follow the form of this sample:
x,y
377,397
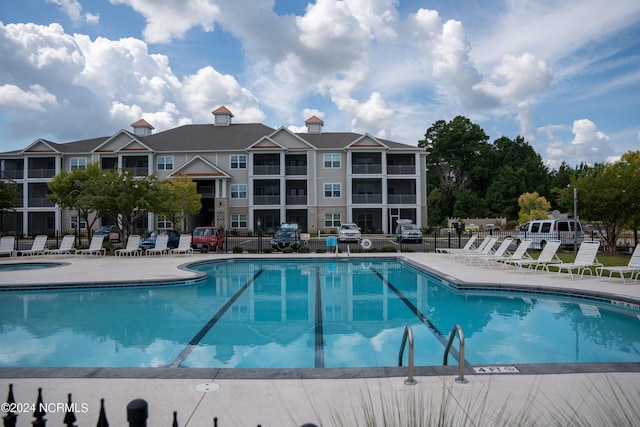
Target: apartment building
x,y
247,174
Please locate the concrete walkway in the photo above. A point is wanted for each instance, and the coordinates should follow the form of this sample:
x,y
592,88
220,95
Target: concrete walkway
x,y
583,394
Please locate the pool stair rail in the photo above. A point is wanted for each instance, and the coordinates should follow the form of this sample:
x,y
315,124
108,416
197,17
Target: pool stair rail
x,y
456,329
408,335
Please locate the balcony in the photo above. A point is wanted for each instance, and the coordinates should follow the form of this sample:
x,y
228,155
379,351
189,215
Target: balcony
x,y
364,199
366,169
41,167
266,169
12,174
137,171
401,199
401,169
297,200
296,170
262,200
42,172
40,202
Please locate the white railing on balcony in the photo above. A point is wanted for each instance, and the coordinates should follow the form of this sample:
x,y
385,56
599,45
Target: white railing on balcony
x,y
296,200
266,169
41,173
138,171
366,169
206,191
296,170
401,199
401,169
361,199
266,200
40,202
12,174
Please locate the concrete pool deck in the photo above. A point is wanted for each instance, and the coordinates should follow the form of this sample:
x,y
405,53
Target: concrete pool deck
x,y
537,393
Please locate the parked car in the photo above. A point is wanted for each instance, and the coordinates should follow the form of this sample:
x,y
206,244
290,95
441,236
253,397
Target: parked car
x,y
407,231
349,232
541,231
111,231
150,242
287,236
208,238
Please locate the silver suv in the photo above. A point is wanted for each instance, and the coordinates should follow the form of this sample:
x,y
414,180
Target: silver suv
x,y
406,231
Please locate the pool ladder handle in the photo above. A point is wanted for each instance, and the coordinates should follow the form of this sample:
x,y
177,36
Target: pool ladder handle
x,y
408,334
461,379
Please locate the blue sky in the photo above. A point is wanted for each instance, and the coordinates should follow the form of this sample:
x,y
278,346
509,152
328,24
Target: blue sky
x,y
564,74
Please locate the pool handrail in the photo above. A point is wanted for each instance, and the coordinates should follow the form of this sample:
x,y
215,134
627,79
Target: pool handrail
x,y
408,333
456,328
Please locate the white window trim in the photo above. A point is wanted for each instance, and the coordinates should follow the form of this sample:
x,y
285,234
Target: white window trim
x,y
331,161
239,186
332,196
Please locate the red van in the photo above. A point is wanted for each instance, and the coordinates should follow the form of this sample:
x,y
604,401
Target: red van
x,y
209,238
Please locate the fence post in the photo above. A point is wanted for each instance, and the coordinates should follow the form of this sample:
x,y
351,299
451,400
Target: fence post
x,y
39,412
102,419
11,418
69,417
137,413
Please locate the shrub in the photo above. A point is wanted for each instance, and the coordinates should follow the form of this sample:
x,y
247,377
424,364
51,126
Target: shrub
x,y
252,251
321,251
237,249
268,250
304,250
287,250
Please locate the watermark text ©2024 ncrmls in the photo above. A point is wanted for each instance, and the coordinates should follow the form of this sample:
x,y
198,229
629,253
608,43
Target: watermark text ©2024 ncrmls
x,y
49,408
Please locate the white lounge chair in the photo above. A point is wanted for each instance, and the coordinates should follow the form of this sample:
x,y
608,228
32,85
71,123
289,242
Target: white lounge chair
x,y
549,255
519,254
485,248
160,247
37,246
95,247
632,267
132,248
467,247
184,245
585,259
7,246
501,252
66,246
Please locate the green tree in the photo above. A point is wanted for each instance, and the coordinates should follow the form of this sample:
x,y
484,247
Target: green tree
x,y
609,194
532,206
74,190
179,198
9,194
469,204
124,197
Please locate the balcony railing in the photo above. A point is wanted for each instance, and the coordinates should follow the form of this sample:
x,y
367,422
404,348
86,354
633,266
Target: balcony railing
x,y
296,200
266,169
12,174
40,202
367,169
206,191
266,200
296,170
138,170
41,173
401,199
401,169
362,199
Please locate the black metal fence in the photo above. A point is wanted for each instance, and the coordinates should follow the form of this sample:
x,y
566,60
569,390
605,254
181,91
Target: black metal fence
x,y
137,412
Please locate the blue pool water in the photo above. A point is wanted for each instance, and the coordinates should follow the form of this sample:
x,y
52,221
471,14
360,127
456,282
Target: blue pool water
x,y
284,314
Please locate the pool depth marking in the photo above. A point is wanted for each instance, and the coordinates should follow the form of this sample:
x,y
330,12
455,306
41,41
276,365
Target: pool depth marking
x,y
319,350
418,314
196,339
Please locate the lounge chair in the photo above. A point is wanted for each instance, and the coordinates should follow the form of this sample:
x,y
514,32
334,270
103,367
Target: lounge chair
x,y
66,246
632,267
467,247
7,246
485,248
160,247
585,259
549,255
184,246
501,252
132,248
37,247
520,254
95,247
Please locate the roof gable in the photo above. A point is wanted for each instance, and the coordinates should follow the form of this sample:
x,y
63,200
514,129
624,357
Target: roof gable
x,y
367,142
266,143
41,146
199,167
290,140
122,141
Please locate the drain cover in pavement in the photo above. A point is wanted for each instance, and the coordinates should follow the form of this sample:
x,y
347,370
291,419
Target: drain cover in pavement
x,y
207,387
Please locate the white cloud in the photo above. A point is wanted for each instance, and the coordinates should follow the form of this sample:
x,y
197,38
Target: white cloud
x,y
35,99
73,9
167,19
589,145
517,77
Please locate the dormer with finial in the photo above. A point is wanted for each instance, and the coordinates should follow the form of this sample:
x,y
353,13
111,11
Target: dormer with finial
x,y
222,116
142,128
314,124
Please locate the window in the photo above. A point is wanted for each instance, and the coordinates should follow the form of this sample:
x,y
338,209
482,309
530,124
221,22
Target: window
x,y
546,226
332,160
238,221
238,191
164,163
332,190
239,161
332,220
164,223
74,223
78,163
364,188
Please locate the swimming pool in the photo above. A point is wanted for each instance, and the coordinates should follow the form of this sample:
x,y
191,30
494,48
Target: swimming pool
x,y
307,314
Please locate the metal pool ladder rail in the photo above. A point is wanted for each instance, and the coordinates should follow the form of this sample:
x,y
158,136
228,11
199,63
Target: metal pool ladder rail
x,y
458,329
408,333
